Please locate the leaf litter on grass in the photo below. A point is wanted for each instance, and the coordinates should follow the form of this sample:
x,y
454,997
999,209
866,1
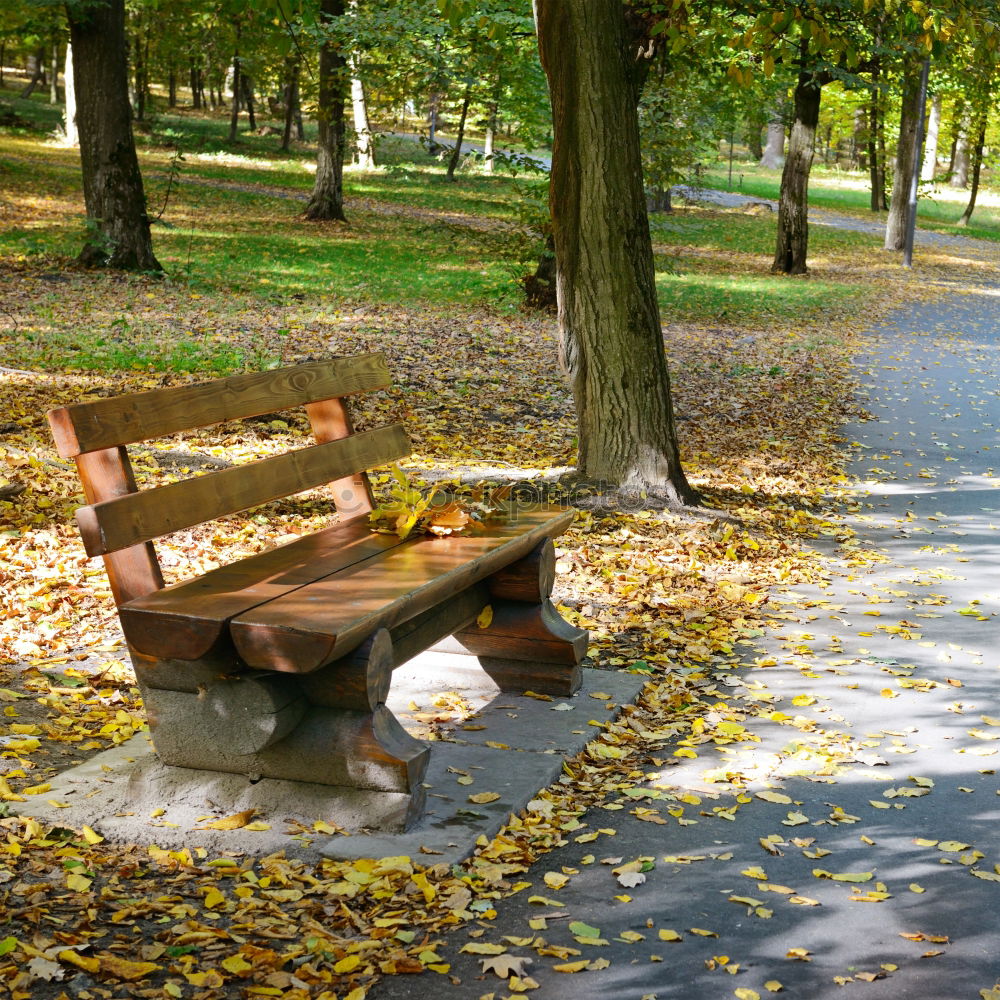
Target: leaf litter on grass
x,y
672,593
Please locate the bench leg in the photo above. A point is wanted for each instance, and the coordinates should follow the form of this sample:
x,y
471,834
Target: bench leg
x,y
527,643
331,727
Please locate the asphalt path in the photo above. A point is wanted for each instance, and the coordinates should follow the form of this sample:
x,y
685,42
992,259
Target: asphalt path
x,y
885,779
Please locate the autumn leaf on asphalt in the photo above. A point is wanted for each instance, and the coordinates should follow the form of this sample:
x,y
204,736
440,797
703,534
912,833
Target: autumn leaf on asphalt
x,y
769,796
571,966
482,948
44,968
844,876
505,966
121,968
631,879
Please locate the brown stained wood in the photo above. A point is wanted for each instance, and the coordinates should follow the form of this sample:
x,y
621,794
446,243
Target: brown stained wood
x,y
139,416
530,632
331,421
138,517
359,681
529,579
187,620
133,571
313,625
414,636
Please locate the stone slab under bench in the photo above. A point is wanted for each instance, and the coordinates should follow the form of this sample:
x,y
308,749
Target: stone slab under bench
x,y
511,746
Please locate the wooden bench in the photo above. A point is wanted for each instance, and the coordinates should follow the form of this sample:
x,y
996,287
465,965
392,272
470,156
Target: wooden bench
x,y
279,664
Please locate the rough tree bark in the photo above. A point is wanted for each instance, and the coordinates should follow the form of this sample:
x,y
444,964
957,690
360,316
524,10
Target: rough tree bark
x,y
929,167
909,121
140,59
362,129
54,73
112,185
196,86
773,156
37,76
70,131
234,114
960,154
292,68
611,340
456,153
859,140
246,84
977,166
491,124
793,207
327,198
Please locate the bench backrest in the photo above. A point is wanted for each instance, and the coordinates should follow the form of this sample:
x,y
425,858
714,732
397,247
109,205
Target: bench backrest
x,y
121,522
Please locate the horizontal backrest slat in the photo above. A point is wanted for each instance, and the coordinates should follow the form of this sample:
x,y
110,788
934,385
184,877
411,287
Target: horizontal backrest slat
x,y
120,420
139,517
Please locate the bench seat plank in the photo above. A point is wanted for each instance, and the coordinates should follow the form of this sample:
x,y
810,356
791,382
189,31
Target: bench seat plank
x,y
184,621
322,621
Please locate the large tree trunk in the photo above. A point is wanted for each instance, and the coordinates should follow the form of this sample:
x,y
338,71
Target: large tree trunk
x,y
611,339
909,124
977,166
234,113
196,86
773,156
929,168
112,185
456,153
432,122
37,76
859,140
363,138
54,73
247,86
291,100
327,198
69,86
491,124
793,206
960,154
140,59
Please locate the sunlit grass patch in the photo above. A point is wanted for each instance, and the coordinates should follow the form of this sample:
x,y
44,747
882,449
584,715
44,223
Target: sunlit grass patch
x,y
939,207
746,298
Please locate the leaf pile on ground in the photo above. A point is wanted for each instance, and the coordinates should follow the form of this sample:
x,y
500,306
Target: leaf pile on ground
x,y
759,399
662,592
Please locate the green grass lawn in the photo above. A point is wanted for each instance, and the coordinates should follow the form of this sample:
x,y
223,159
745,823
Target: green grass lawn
x,y
231,229
939,207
